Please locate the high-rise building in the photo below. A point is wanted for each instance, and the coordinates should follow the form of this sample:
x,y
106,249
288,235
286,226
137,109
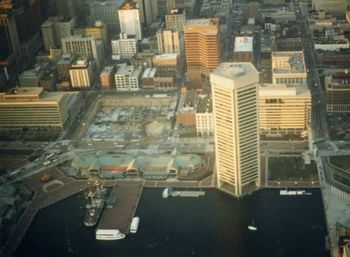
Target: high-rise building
x,y
81,73
284,110
129,19
148,11
56,28
123,46
9,41
338,7
202,44
170,42
87,46
107,12
19,33
337,85
236,127
288,68
175,20
99,31
65,8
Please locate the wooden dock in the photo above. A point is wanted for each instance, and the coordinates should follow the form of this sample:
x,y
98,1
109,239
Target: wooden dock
x,y
120,216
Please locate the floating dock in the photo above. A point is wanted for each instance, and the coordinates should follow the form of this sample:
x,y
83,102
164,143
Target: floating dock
x,y
121,214
187,193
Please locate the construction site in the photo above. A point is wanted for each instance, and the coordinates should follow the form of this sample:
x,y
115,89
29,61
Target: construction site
x,y
130,118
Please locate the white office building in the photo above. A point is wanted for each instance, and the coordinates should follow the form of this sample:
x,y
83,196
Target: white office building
x,y
123,46
127,78
129,20
170,42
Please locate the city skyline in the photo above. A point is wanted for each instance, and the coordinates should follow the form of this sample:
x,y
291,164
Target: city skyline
x,y
114,96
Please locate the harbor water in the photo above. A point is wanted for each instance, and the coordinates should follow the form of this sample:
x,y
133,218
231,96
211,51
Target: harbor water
x,y
209,226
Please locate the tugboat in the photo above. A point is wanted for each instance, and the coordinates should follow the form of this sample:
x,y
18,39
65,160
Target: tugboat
x,y
95,196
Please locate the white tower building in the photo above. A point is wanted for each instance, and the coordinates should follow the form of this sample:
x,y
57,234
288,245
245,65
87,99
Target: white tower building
x,y
236,126
129,19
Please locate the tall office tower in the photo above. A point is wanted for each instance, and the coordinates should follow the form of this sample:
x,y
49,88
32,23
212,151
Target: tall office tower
x,y
56,28
65,8
202,44
170,42
107,12
236,127
9,42
338,7
99,31
27,17
148,11
87,46
175,20
170,5
129,20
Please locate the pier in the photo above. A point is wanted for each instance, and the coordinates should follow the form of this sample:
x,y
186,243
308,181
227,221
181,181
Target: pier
x,y
120,215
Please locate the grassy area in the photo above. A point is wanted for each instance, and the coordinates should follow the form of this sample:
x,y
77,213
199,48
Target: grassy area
x,y
342,162
291,168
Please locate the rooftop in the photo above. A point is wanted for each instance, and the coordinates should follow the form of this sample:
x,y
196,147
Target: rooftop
x,y
235,74
80,62
288,62
127,70
129,6
176,11
281,90
138,161
202,22
29,94
107,70
243,44
204,104
165,56
149,73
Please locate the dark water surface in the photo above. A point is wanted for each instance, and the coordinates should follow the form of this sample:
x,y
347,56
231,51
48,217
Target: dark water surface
x,y
213,225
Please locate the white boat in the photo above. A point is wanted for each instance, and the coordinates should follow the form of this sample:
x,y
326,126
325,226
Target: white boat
x,y
252,227
294,192
134,224
166,192
109,234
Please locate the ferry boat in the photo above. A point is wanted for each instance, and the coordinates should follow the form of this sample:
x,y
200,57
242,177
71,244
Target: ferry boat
x,y
95,196
109,234
166,192
294,192
134,224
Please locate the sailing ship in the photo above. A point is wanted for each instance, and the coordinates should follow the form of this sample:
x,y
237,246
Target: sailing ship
x,y
95,196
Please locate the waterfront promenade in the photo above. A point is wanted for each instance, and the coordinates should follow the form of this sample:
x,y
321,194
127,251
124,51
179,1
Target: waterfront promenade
x,y
128,194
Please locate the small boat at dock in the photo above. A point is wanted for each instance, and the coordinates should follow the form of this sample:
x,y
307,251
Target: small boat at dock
x,y
166,192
